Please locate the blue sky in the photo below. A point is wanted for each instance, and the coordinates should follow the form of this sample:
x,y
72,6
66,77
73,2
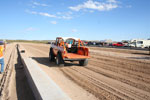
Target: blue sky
x,y
86,19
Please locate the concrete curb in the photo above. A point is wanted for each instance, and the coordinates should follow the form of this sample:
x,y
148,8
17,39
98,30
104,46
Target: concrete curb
x,y
43,87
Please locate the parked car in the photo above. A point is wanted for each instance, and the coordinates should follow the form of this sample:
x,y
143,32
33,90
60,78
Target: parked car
x,y
118,44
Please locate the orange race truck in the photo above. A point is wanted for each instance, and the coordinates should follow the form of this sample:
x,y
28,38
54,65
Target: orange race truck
x,y
68,49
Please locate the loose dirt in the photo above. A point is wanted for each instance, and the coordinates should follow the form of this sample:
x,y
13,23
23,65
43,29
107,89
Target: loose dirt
x,y
13,82
111,74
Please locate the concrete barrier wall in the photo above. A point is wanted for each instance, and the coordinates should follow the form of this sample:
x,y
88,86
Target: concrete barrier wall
x,y
43,87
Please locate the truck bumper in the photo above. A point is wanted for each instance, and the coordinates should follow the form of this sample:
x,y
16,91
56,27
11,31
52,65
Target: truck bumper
x,y
67,59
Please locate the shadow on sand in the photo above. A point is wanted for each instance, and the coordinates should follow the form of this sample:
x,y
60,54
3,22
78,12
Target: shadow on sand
x,y
45,61
24,92
142,54
144,58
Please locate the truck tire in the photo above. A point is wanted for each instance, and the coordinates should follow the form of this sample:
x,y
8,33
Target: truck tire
x,y
59,60
83,62
51,55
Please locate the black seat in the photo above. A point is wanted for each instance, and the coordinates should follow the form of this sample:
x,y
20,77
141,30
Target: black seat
x,y
74,49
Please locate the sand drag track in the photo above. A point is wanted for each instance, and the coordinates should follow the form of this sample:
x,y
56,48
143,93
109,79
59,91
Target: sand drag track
x,y
13,82
110,74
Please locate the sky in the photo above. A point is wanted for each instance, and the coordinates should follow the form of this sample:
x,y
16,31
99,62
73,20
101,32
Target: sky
x,y
85,19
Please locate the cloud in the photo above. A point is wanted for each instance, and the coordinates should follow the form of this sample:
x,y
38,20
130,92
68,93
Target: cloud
x,y
47,14
53,22
39,4
94,5
65,17
30,29
31,12
91,11
74,30
59,15
111,1
128,6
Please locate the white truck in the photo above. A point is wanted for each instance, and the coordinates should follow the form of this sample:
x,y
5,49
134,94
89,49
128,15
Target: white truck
x,y
139,43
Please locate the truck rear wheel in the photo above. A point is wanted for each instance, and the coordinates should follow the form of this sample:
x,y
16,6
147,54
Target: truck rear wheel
x,y
83,62
51,55
59,60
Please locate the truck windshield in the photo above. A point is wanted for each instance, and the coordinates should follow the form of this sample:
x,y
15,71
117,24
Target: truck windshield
x,y
133,43
139,42
70,41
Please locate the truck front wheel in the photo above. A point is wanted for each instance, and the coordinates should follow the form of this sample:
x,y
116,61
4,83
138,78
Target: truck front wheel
x,y
83,62
51,55
59,60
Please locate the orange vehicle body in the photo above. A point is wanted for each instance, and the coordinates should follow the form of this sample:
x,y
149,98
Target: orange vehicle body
x,y
82,51
70,49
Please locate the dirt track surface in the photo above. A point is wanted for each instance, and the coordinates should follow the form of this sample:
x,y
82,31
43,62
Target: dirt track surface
x,y
13,82
110,74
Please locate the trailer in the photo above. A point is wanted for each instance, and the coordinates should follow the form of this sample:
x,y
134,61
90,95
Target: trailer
x,y
141,43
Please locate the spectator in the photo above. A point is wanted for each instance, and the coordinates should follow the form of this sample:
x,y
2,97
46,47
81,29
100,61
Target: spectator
x,y
2,49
